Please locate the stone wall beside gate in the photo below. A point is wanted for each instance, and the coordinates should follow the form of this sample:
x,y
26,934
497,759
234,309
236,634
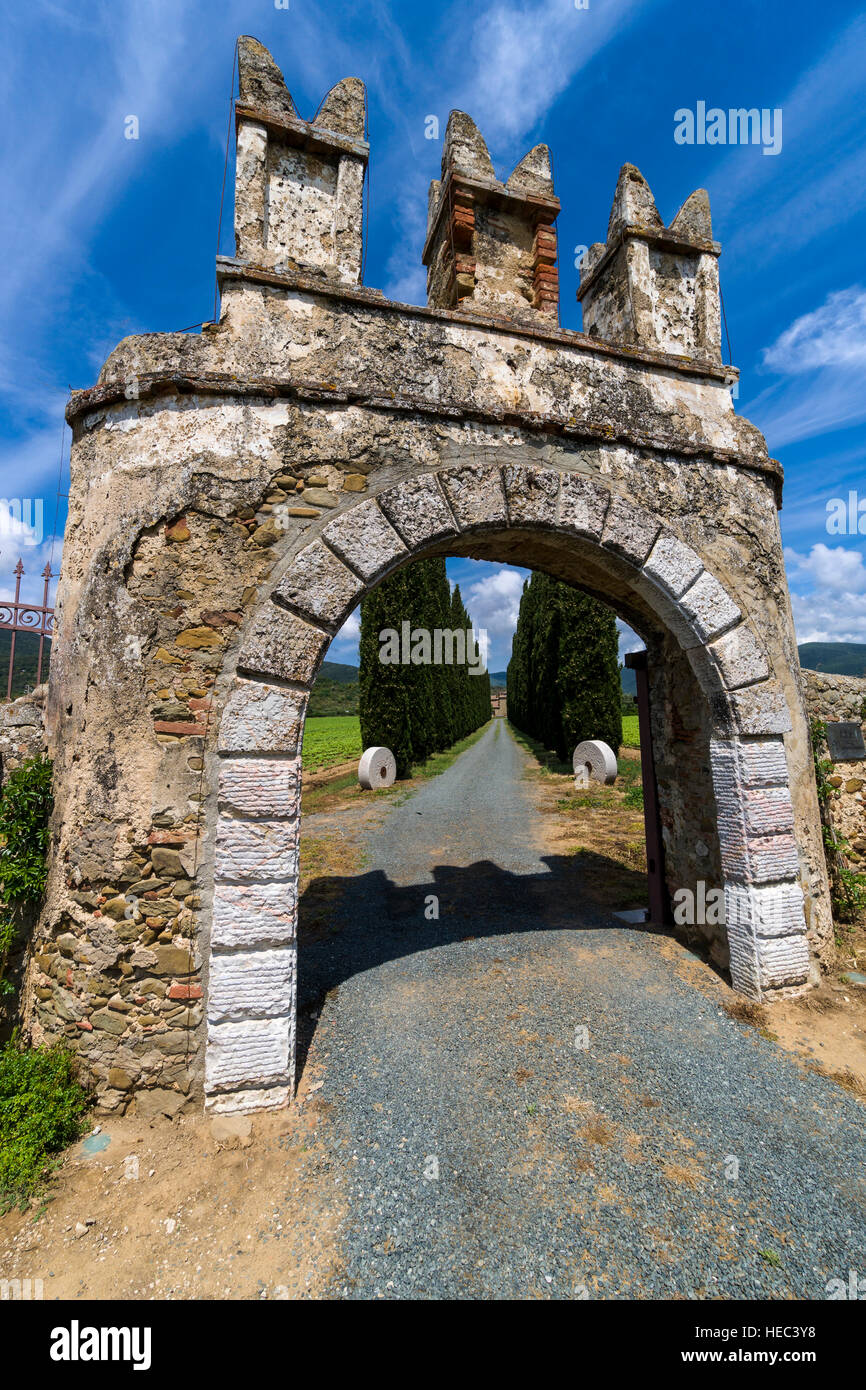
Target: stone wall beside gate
x,y
236,492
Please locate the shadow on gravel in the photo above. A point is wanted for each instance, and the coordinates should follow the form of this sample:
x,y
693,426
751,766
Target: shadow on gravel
x,y
348,925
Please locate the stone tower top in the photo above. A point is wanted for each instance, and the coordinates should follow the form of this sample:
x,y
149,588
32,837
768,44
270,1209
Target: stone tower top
x,y
298,184
491,246
650,285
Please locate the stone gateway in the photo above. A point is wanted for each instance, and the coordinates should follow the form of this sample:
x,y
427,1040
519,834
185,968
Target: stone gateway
x,y
236,492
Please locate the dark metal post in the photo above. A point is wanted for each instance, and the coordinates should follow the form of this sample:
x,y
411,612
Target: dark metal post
x,y
659,907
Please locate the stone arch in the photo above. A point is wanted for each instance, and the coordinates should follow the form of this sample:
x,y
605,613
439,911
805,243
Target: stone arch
x,y
628,556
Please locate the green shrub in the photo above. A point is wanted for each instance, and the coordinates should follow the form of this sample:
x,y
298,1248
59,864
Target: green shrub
x,y
25,805
41,1112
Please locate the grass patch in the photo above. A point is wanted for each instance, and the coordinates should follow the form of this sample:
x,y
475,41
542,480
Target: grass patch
x,y
332,739
42,1107
630,735
543,756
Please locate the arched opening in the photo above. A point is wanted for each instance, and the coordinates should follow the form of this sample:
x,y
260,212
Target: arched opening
x,y
721,771
485,839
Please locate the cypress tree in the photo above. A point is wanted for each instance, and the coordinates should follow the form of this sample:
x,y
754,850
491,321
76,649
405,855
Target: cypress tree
x,y
416,710
419,679
563,678
383,694
588,686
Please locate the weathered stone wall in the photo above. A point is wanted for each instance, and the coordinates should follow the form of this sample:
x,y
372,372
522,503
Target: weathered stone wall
x,y
842,698
235,493
22,729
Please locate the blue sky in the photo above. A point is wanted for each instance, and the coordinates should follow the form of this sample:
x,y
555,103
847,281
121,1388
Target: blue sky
x,y
106,236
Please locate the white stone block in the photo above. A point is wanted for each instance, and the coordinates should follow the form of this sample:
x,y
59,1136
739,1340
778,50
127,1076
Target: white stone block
x,y
255,914
743,955
476,495
583,505
769,810
740,657
365,539
762,762
629,531
709,607
770,910
251,984
673,564
783,961
532,495
761,709
281,644
418,510
255,849
261,718
242,1102
261,786
772,857
252,1054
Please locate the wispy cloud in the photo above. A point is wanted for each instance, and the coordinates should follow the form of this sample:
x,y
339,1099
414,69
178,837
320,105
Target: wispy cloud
x,y
507,73
821,357
818,181
523,57
832,336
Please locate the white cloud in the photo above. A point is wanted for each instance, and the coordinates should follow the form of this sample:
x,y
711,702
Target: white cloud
x,y
628,641
494,602
835,569
821,357
351,629
832,336
833,610
522,58
825,618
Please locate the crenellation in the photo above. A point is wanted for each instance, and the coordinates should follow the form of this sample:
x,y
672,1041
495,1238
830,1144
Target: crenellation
x,y
651,285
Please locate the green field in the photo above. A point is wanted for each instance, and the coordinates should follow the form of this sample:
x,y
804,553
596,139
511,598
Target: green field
x,y
630,736
330,740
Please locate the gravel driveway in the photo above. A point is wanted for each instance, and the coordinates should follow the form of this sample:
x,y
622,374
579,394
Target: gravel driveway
x,y
526,1098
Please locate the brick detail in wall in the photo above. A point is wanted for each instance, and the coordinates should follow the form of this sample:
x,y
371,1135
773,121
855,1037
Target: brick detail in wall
x,y
545,276
461,232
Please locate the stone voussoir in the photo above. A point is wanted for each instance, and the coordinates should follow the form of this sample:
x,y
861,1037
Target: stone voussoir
x,y
281,644
320,586
365,539
418,511
261,718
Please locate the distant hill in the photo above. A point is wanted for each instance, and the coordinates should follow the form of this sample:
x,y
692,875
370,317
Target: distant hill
x,y
836,658
340,672
498,678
